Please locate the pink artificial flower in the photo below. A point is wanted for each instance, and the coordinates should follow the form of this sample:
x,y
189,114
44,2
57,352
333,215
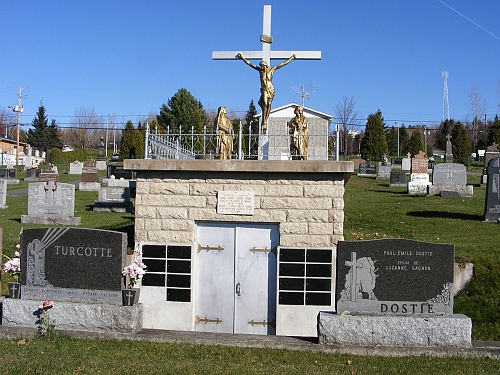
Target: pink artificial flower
x,y
46,305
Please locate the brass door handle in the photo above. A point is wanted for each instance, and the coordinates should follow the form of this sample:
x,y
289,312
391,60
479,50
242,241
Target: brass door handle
x,y
238,289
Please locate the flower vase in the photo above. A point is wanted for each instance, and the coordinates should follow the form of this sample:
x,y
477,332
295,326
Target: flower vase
x,y
14,290
130,296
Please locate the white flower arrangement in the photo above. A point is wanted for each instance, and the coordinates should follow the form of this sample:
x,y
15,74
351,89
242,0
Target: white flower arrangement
x,y
136,269
13,265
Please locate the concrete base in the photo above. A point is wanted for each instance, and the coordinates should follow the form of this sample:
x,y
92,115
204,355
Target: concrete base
x,y
74,316
101,165
74,221
394,330
89,186
112,207
462,190
12,181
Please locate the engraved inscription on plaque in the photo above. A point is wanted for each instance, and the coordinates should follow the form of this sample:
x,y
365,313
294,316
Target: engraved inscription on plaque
x,y
235,202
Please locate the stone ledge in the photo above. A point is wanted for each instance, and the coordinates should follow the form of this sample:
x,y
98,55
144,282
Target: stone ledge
x,y
75,221
454,331
94,317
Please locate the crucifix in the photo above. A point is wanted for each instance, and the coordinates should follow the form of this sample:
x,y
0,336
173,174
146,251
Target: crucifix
x,y
264,68
354,264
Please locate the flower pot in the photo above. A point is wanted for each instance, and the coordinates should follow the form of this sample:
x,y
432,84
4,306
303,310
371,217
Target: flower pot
x,y
14,290
130,296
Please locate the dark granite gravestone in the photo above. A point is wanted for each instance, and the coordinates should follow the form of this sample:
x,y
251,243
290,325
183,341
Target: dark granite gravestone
x,y
32,174
100,150
113,199
72,264
397,179
395,277
119,172
397,162
492,201
8,173
367,170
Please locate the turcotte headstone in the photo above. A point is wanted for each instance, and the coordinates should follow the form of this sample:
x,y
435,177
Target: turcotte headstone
x,y
72,264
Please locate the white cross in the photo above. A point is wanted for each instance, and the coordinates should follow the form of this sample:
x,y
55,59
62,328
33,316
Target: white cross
x,y
129,296
354,274
266,54
13,289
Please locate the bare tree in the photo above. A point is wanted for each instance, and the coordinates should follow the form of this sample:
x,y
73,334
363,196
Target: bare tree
x,y
477,107
7,123
348,116
85,124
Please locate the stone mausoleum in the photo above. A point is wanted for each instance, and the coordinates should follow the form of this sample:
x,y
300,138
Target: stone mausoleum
x,y
238,246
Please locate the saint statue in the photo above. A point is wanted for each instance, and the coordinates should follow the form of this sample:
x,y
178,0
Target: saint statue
x,y
225,136
266,86
299,135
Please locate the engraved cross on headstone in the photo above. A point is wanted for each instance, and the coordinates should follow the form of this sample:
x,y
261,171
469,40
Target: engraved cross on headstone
x,y
354,264
266,54
448,138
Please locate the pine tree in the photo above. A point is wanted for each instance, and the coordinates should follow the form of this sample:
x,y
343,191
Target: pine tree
x,y
416,143
132,143
460,143
374,143
182,112
404,140
251,127
43,136
494,132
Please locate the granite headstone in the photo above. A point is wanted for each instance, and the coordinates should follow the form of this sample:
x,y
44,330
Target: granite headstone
x,y
51,203
113,199
366,169
49,174
492,201
419,163
75,167
3,194
450,177
72,264
395,277
32,174
397,179
384,171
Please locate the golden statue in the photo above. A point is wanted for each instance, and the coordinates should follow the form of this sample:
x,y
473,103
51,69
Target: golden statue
x,y
299,135
225,135
266,86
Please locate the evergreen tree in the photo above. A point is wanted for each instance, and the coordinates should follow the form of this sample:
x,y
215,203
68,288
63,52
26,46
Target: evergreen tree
x,y
43,136
494,132
374,143
392,140
416,143
132,142
460,143
404,141
444,129
182,112
251,126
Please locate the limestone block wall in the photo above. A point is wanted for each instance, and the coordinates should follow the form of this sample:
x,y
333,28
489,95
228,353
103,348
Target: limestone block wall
x,y
309,207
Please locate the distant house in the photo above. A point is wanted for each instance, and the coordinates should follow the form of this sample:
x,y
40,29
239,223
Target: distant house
x,y
27,156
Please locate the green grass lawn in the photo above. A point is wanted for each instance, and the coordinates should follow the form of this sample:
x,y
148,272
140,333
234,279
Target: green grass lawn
x,y
64,355
372,210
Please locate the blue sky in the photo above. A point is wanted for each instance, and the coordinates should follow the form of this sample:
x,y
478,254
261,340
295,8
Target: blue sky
x,y
126,58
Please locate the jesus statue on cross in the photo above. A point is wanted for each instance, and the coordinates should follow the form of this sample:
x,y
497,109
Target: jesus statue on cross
x,y
266,85
264,68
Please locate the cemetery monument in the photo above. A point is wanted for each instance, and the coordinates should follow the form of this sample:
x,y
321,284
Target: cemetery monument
x,y
492,201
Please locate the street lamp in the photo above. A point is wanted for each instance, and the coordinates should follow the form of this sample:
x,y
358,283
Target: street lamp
x,y
107,138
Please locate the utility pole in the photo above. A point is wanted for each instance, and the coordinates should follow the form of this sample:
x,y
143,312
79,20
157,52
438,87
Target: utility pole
x,y
304,95
18,108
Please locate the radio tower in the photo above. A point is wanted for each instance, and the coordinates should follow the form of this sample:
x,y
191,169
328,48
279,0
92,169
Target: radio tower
x,y
446,107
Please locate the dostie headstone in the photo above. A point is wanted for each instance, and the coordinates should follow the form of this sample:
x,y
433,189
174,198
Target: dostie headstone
x,y
395,277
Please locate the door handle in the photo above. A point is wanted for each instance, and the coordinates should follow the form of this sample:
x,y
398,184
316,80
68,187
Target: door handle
x,y
238,289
